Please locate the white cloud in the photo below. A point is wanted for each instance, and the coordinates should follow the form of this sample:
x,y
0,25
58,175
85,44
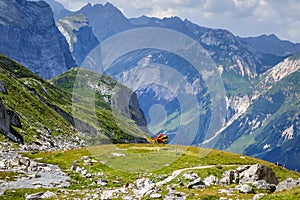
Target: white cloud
x,y
242,17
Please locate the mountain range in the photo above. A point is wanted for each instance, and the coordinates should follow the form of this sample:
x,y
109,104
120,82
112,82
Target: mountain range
x,y
260,74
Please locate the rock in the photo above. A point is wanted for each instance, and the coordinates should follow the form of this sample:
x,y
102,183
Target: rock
x,y
227,191
174,195
37,183
143,187
242,168
93,161
190,177
34,175
287,184
258,196
47,169
35,196
25,161
244,188
127,198
89,175
48,195
155,196
197,183
258,172
84,157
118,154
211,180
83,172
73,167
107,194
103,183
3,88
227,177
2,164
263,185
15,162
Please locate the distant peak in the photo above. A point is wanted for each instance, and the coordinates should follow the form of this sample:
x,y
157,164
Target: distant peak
x,y
273,36
108,4
173,18
270,36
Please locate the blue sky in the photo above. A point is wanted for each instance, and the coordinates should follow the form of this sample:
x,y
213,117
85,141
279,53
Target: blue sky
x,y
242,17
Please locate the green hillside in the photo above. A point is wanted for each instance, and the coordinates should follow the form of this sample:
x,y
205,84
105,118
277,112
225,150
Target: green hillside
x,y
44,109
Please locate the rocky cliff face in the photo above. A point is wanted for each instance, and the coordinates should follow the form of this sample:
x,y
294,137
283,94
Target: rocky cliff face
x,y
79,35
265,121
29,35
8,119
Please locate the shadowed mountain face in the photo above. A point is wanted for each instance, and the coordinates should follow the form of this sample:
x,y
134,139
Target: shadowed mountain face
x,y
29,35
106,20
271,44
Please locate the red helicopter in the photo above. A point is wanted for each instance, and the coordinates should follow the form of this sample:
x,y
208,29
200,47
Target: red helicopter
x,y
160,139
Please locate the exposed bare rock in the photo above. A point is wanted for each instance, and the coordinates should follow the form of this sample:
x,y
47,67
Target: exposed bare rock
x,y
263,185
211,180
3,88
8,119
244,188
197,183
258,172
227,177
287,184
79,35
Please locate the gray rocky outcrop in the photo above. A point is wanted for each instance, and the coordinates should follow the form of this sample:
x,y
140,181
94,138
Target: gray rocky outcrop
x,y
3,88
211,180
244,188
287,184
247,174
227,177
263,185
197,183
40,195
8,119
258,172
258,196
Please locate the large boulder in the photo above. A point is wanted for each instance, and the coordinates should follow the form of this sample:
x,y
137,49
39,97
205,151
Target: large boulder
x,y
258,172
287,184
197,183
263,185
190,177
227,177
244,188
211,180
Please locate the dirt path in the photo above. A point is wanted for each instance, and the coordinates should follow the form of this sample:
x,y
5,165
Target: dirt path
x,y
179,171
